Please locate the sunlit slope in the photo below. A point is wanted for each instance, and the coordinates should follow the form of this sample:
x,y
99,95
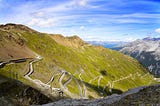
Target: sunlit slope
x,y
79,69
12,46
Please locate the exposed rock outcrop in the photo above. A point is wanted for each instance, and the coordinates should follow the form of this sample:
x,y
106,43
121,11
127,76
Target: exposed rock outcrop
x,y
146,51
145,95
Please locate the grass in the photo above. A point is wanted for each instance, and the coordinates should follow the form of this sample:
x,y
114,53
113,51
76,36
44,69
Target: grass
x,y
93,60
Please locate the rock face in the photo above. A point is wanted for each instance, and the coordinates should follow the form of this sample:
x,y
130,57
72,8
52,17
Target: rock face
x,y
145,95
146,51
14,93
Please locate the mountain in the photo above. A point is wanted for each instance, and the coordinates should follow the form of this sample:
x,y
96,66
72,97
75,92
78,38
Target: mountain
x,y
151,39
145,96
66,67
146,51
107,44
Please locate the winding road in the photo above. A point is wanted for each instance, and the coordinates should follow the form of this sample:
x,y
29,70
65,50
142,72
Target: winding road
x,y
31,70
37,81
67,81
84,90
132,76
66,91
63,86
52,78
98,81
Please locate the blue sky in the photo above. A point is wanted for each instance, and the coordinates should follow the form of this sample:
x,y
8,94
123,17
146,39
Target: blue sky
x,y
106,20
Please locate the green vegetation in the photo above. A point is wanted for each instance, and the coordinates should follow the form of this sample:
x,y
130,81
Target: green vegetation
x,y
92,62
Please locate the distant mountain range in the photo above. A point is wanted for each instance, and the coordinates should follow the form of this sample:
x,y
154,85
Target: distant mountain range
x,y
107,44
151,39
146,51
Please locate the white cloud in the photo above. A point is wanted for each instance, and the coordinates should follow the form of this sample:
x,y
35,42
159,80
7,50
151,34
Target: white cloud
x,y
82,27
90,21
66,6
130,21
157,30
91,38
129,39
141,15
42,22
38,14
80,2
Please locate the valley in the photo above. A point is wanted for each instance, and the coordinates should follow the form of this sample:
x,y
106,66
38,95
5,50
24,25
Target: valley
x,y
74,69
63,89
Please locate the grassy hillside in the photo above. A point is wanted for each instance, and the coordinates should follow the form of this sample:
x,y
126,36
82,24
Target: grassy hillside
x,y
89,71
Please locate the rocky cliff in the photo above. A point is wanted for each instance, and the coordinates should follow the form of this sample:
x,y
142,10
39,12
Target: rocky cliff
x,y
145,95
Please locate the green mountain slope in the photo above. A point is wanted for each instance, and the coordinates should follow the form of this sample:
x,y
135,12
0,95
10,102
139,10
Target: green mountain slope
x,y
67,66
